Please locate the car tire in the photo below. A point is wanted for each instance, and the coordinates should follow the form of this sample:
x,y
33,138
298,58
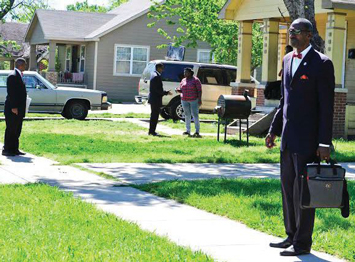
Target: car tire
x,y
64,114
77,110
177,112
164,113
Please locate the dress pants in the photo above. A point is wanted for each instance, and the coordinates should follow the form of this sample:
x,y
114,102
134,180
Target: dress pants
x,y
154,116
298,222
12,132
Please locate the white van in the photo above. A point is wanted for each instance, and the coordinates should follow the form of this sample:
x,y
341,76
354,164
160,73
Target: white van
x,y
215,80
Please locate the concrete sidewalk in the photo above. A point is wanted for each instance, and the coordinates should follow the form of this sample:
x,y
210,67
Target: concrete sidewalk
x,y
223,239
161,129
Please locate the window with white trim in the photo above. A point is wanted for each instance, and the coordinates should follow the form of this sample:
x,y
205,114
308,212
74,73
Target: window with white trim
x,y
67,58
82,58
204,56
130,60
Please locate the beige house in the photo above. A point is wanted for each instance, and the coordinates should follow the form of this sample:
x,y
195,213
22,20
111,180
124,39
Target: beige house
x,y
335,22
102,51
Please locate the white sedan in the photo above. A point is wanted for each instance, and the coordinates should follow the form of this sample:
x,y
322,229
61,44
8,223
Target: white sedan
x,y
46,98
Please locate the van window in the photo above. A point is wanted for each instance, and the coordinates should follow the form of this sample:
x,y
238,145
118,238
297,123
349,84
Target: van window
x,y
149,69
231,75
3,80
212,76
174,72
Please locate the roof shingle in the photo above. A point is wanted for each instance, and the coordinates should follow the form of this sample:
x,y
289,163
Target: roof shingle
x,y
69,24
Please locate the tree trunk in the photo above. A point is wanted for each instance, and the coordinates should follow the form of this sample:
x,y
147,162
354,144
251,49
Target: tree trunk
x,y
305,9
6,7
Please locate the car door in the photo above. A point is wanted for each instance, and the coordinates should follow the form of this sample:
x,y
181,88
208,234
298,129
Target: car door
x,y
44,99
3,91
213,82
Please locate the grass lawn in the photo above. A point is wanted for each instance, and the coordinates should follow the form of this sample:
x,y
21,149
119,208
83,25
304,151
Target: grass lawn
x,y
110,115
204,127
42,223
71,141
94,115
257,203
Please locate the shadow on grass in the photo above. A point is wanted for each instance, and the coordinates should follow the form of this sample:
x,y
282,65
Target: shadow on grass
x,y
239,187
269,209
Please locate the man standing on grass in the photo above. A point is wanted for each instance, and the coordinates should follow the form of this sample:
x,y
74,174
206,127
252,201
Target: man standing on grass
x,y
304,120
15,109
156,93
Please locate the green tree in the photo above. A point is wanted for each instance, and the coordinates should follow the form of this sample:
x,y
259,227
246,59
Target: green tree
x,y
115,3
25,12
198,20
306,9
85,7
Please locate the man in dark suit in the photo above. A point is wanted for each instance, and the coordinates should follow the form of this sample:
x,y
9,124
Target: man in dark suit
x,y
15,109
156,93
304,120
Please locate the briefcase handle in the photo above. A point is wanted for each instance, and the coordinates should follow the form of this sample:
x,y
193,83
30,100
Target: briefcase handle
x,y
332,163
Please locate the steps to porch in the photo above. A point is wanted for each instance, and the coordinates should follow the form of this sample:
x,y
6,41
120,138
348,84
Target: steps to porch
x,y
259,122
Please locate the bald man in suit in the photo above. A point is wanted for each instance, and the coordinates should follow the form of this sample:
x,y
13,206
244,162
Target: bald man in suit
x,y
304,120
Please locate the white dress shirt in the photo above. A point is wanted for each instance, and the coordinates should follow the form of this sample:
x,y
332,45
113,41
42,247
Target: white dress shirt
x,y
296,61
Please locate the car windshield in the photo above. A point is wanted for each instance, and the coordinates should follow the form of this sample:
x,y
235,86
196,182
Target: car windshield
x,y
45,81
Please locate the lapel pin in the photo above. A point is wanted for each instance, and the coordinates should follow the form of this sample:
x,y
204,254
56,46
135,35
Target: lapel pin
x,y
305,63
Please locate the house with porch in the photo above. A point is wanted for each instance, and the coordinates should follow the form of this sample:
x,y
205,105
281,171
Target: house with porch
x,y
335,22
104,51
13,31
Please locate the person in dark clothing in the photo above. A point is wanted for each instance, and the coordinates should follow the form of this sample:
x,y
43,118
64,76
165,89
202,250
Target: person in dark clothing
x,y
15,109
304,120
156,93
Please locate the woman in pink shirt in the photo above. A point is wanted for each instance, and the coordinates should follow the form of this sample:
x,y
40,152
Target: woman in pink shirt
x,y
191,92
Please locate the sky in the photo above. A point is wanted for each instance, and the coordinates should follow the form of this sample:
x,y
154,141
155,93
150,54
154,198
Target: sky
x,y
62,4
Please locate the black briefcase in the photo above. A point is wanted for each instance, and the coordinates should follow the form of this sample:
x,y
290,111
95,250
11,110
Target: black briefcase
x,y
323,186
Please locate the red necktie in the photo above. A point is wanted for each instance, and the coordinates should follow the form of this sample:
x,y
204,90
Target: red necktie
x,y
299,56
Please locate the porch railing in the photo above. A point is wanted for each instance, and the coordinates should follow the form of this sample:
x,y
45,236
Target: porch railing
x,y
71,78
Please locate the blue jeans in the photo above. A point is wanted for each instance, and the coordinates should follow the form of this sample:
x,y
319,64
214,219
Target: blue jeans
x,y
191,108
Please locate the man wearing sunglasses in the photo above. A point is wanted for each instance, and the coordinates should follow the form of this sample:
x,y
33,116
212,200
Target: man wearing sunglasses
x,y
304,120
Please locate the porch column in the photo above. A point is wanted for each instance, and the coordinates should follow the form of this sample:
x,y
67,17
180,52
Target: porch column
x,y
52,51
335,43
270,51
282,47
33,58
12,64
334,49
52,75
244,51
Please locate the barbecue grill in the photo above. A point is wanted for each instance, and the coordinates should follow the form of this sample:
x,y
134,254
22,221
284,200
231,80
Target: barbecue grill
x,y
233,107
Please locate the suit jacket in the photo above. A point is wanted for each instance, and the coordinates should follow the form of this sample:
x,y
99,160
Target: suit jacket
x,y
156,91
16,93
304,118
